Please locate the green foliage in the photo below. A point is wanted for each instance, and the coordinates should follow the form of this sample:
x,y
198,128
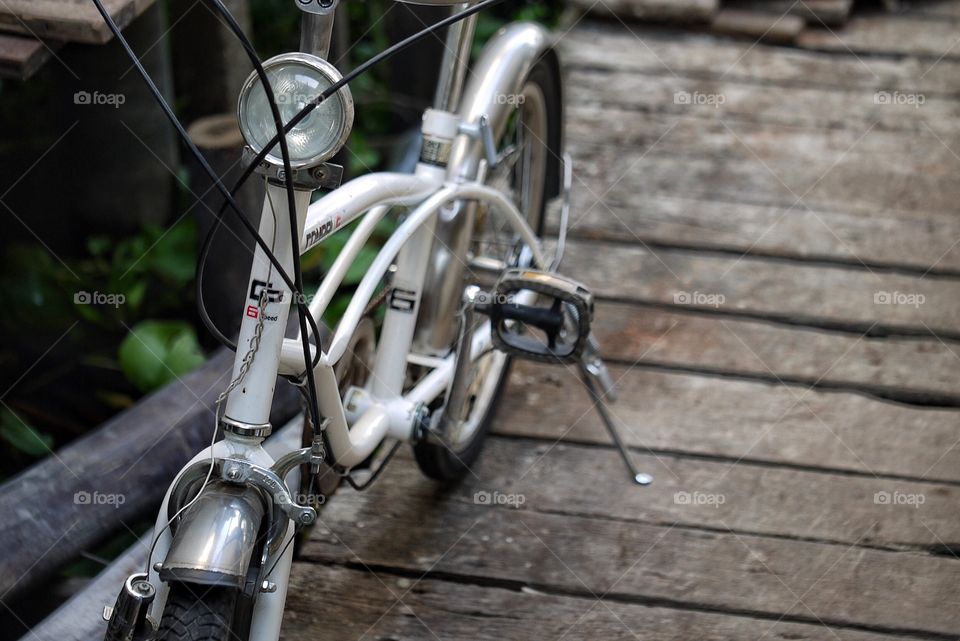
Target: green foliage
x,y
114,285
320,259
157,352
21,436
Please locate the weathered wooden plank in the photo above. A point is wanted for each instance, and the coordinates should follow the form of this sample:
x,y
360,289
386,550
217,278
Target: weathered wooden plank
x,y
21,57
702,157
883,238
778,29
853,299
70,20
936,9
816,12
557,540
907,369
760,499
358,604
887,34
727,418
857,108
652,10
650,51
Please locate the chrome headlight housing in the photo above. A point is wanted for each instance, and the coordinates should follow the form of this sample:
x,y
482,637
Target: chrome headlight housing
x,y
296,79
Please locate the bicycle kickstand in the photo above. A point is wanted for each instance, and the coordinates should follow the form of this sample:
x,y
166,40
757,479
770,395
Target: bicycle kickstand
x,y
596,378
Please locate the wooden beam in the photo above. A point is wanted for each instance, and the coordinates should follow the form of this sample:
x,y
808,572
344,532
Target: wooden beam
x,y
763,27
20,57
359,604
652,51
70,20
684,11
583,529
703,415
853,300
887,34
919,370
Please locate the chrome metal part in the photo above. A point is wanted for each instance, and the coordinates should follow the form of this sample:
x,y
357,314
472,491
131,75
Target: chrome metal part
x,y
589,381
499,73
316,26
456,58
482,131
127,619
324,176
217,536
452,415
245,429
564,212
244,472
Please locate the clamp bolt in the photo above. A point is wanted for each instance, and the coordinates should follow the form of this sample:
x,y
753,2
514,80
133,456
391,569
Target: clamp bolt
x,y
268,586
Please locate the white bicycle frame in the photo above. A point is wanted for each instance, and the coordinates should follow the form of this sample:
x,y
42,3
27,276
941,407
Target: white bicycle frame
x,y
381,409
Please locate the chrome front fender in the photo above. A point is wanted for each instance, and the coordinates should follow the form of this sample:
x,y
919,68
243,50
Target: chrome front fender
x,y
216,538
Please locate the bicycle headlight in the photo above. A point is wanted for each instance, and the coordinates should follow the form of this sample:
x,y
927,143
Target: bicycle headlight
x,y
296,79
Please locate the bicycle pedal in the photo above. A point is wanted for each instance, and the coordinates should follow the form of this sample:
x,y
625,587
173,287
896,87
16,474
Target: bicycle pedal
x,y
538,315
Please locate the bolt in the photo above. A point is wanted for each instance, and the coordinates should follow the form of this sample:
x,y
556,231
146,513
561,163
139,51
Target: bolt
x,y
143,587
158,566
307,516
233,473
268,586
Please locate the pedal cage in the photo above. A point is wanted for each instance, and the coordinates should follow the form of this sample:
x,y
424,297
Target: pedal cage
x,y
571,301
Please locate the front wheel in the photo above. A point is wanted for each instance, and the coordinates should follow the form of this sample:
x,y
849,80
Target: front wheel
x,y
528,172
198,613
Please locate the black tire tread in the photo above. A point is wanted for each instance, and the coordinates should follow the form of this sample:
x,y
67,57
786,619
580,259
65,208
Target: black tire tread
x,y
197,613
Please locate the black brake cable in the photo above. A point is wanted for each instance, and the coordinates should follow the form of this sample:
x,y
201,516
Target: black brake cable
x,y
181,132
326,94
294,284
291,206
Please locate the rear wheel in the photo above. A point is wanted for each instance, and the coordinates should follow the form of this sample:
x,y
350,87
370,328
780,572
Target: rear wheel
x,y
197,613
525,174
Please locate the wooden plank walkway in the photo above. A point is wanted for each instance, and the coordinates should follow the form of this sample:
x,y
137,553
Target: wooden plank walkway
x,y
778,259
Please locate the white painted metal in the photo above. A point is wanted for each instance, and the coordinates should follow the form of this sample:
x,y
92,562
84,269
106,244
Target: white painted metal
x,y
250,401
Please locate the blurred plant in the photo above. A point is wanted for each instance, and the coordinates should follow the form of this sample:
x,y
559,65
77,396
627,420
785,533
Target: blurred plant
x,y
119,292
154,352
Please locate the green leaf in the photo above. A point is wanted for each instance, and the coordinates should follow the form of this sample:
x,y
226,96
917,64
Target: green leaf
x,y
156,352
360,265
23,437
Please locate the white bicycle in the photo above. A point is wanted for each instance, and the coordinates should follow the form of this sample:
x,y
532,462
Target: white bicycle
x,y
463,279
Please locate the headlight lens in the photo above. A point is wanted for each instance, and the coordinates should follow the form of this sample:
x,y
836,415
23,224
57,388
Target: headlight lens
x,y
296,79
